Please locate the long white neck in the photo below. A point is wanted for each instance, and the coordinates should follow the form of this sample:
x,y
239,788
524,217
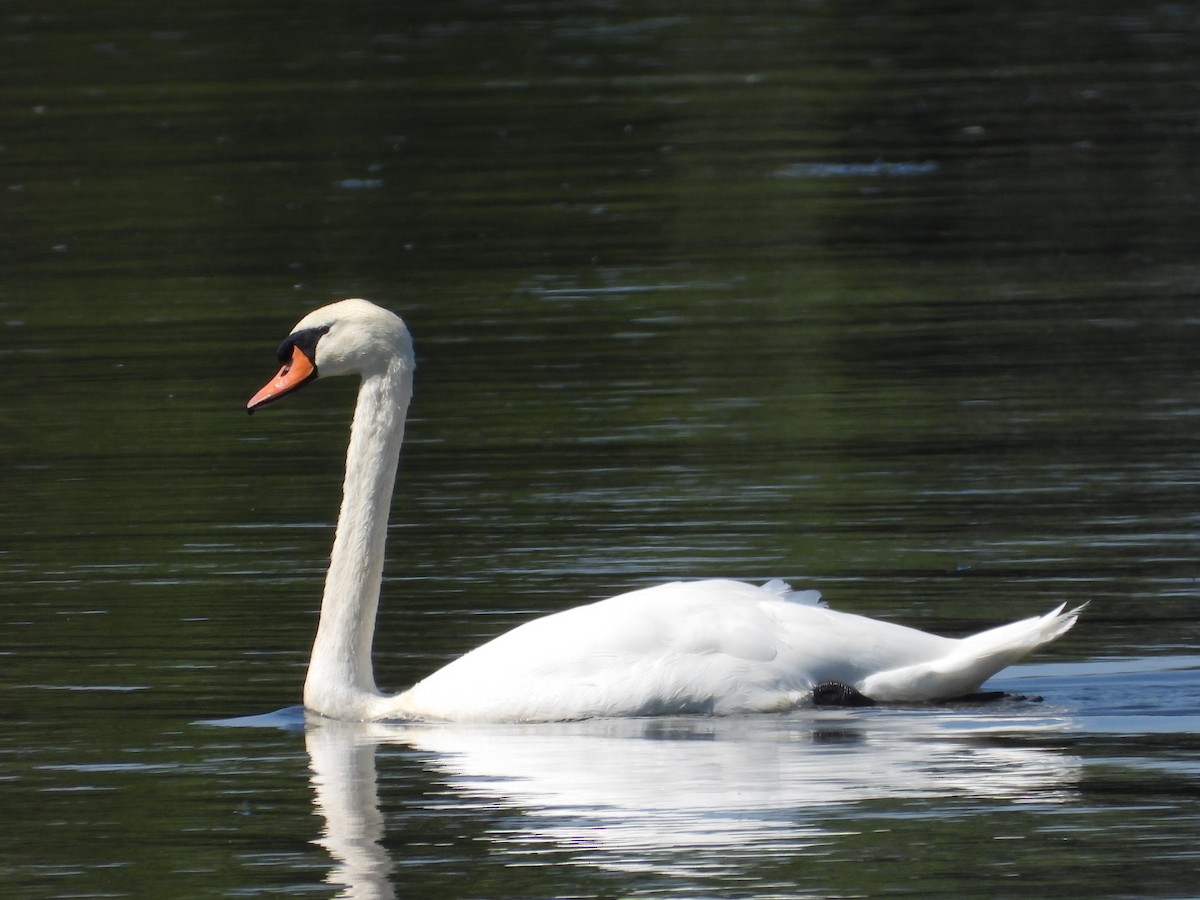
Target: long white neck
x,y
340,681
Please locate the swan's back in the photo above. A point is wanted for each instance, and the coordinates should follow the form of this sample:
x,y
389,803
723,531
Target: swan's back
x,y
686,647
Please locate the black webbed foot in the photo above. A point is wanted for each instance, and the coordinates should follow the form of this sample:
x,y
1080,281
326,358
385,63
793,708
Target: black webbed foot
x,y
834,693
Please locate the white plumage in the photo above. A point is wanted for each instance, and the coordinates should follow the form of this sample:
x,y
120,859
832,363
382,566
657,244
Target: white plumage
x,y
714,646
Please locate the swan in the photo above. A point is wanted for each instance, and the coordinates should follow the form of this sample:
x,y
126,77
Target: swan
x,y
713,646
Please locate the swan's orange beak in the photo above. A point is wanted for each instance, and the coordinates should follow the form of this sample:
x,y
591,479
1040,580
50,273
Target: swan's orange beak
x,y
296,373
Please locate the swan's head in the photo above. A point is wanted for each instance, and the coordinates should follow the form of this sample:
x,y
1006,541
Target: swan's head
x,y
350,337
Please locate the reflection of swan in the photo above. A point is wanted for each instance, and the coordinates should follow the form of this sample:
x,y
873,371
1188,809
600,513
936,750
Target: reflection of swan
x,y
682,795
708,646
343,778
733,764
711,795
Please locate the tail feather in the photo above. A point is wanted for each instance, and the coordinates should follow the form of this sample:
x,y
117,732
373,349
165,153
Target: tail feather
x,y
1027,634
973,660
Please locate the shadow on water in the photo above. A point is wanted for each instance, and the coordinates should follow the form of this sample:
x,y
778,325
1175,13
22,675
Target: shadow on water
x,y
698,800
1125,696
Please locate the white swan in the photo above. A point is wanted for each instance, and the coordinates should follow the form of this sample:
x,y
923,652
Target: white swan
x,y
687,647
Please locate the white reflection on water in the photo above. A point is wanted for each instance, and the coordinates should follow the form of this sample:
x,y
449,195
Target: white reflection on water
x,y
680,796
342,759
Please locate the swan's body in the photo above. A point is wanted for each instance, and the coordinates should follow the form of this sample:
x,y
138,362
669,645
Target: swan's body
x,y
711,646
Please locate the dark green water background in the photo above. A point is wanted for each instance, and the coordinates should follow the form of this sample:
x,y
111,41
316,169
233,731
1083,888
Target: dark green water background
x,y
899,301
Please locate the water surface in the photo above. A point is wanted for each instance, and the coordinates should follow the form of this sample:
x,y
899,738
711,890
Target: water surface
x,y
896,304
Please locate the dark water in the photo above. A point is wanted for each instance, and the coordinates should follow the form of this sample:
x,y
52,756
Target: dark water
x,y
895,301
